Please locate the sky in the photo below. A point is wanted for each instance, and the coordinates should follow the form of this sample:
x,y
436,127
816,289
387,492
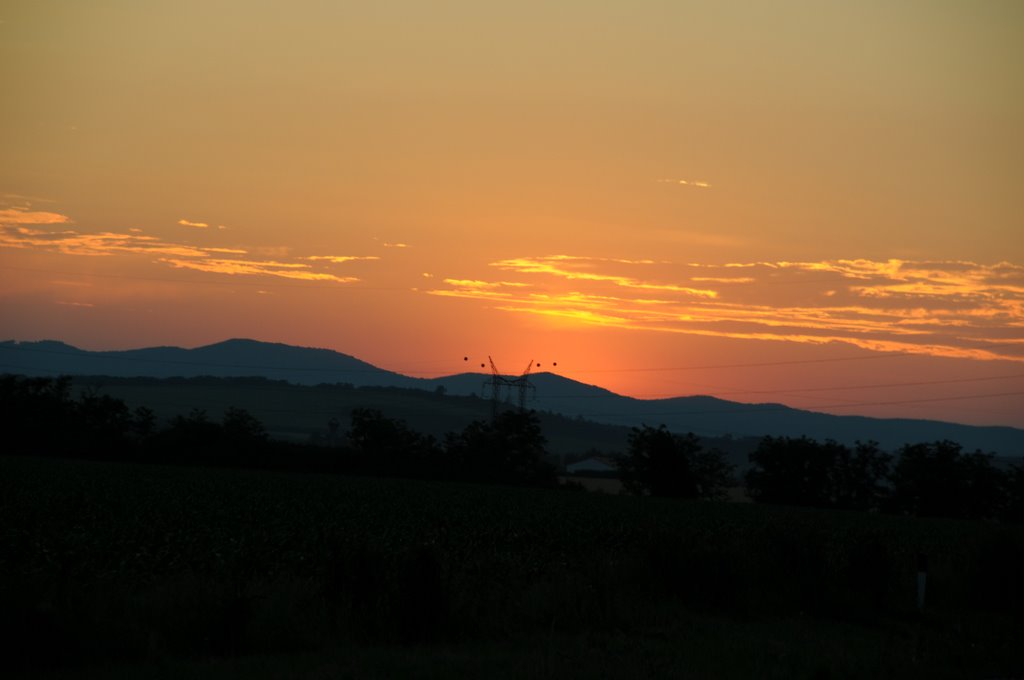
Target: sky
x,y
812,203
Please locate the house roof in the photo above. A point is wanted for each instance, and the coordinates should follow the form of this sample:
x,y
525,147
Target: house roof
x,y
591,465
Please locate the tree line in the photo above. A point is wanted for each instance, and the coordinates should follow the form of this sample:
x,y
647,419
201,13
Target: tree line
x,y
39,416
935,479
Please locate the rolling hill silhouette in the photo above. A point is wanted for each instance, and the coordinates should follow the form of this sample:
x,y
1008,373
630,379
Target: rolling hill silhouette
x,y
704,415
231,358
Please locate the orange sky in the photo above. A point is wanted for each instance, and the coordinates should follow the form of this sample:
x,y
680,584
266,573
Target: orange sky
x,y
806,202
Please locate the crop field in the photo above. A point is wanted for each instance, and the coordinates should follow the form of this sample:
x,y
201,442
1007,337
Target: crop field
x,y
219,571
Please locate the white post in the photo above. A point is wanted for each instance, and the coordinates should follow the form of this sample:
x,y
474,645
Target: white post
x,y
922,579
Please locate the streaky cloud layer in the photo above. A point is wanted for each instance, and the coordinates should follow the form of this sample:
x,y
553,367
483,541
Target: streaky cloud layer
x,y
938,308
16,216
340,259
286,270
210,259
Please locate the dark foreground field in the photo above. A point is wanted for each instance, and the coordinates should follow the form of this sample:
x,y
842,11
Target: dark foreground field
x,y
147,571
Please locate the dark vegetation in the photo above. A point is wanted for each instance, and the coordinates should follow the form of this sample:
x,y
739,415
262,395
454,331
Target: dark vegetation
x,y
300,384
927,479
662,463
134,560
41,417
116,562
509,449
303,413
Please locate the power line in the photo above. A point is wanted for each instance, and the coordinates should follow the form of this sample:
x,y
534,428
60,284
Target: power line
x,y
797,391
106,357
740,409
792,392
887,355
762,408
924,401
736,410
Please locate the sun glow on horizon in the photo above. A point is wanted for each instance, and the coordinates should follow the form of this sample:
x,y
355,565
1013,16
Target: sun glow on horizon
x,y
688,185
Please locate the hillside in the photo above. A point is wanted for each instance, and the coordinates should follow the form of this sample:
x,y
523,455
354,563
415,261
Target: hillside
x,y
302,412
704,415
231,358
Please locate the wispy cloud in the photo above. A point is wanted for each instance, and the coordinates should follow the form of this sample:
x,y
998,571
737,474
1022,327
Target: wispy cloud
x,y
723,279
954,309
215,260
10,216
104,243
189,223
581,269
285,270
21,198
474,284
339,259
695,183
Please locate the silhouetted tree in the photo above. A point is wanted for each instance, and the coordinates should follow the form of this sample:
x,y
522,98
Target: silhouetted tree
x,y
103,424
792,471
938,480
802,471
714,474
195,425
143,423
241,426
1013,493
984,496
858,477
661,463
332,431
242,439
38,415
389,446
509,449
191,438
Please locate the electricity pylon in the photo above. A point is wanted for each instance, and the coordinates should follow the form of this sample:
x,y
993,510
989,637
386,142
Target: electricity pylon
x,y
499,384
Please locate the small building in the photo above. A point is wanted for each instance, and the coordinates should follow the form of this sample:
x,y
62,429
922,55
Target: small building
x,y
590,466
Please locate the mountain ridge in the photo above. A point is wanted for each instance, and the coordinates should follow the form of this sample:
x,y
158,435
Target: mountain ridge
x,y
705,415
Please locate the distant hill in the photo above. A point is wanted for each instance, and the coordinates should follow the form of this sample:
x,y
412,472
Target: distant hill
x,y
703,415
713,417
302,412
231,358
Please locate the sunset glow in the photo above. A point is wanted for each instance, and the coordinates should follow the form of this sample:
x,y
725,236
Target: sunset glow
x,y
812,204
946,309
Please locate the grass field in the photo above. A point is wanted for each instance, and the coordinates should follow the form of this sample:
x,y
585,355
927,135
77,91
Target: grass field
x,y
141,570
